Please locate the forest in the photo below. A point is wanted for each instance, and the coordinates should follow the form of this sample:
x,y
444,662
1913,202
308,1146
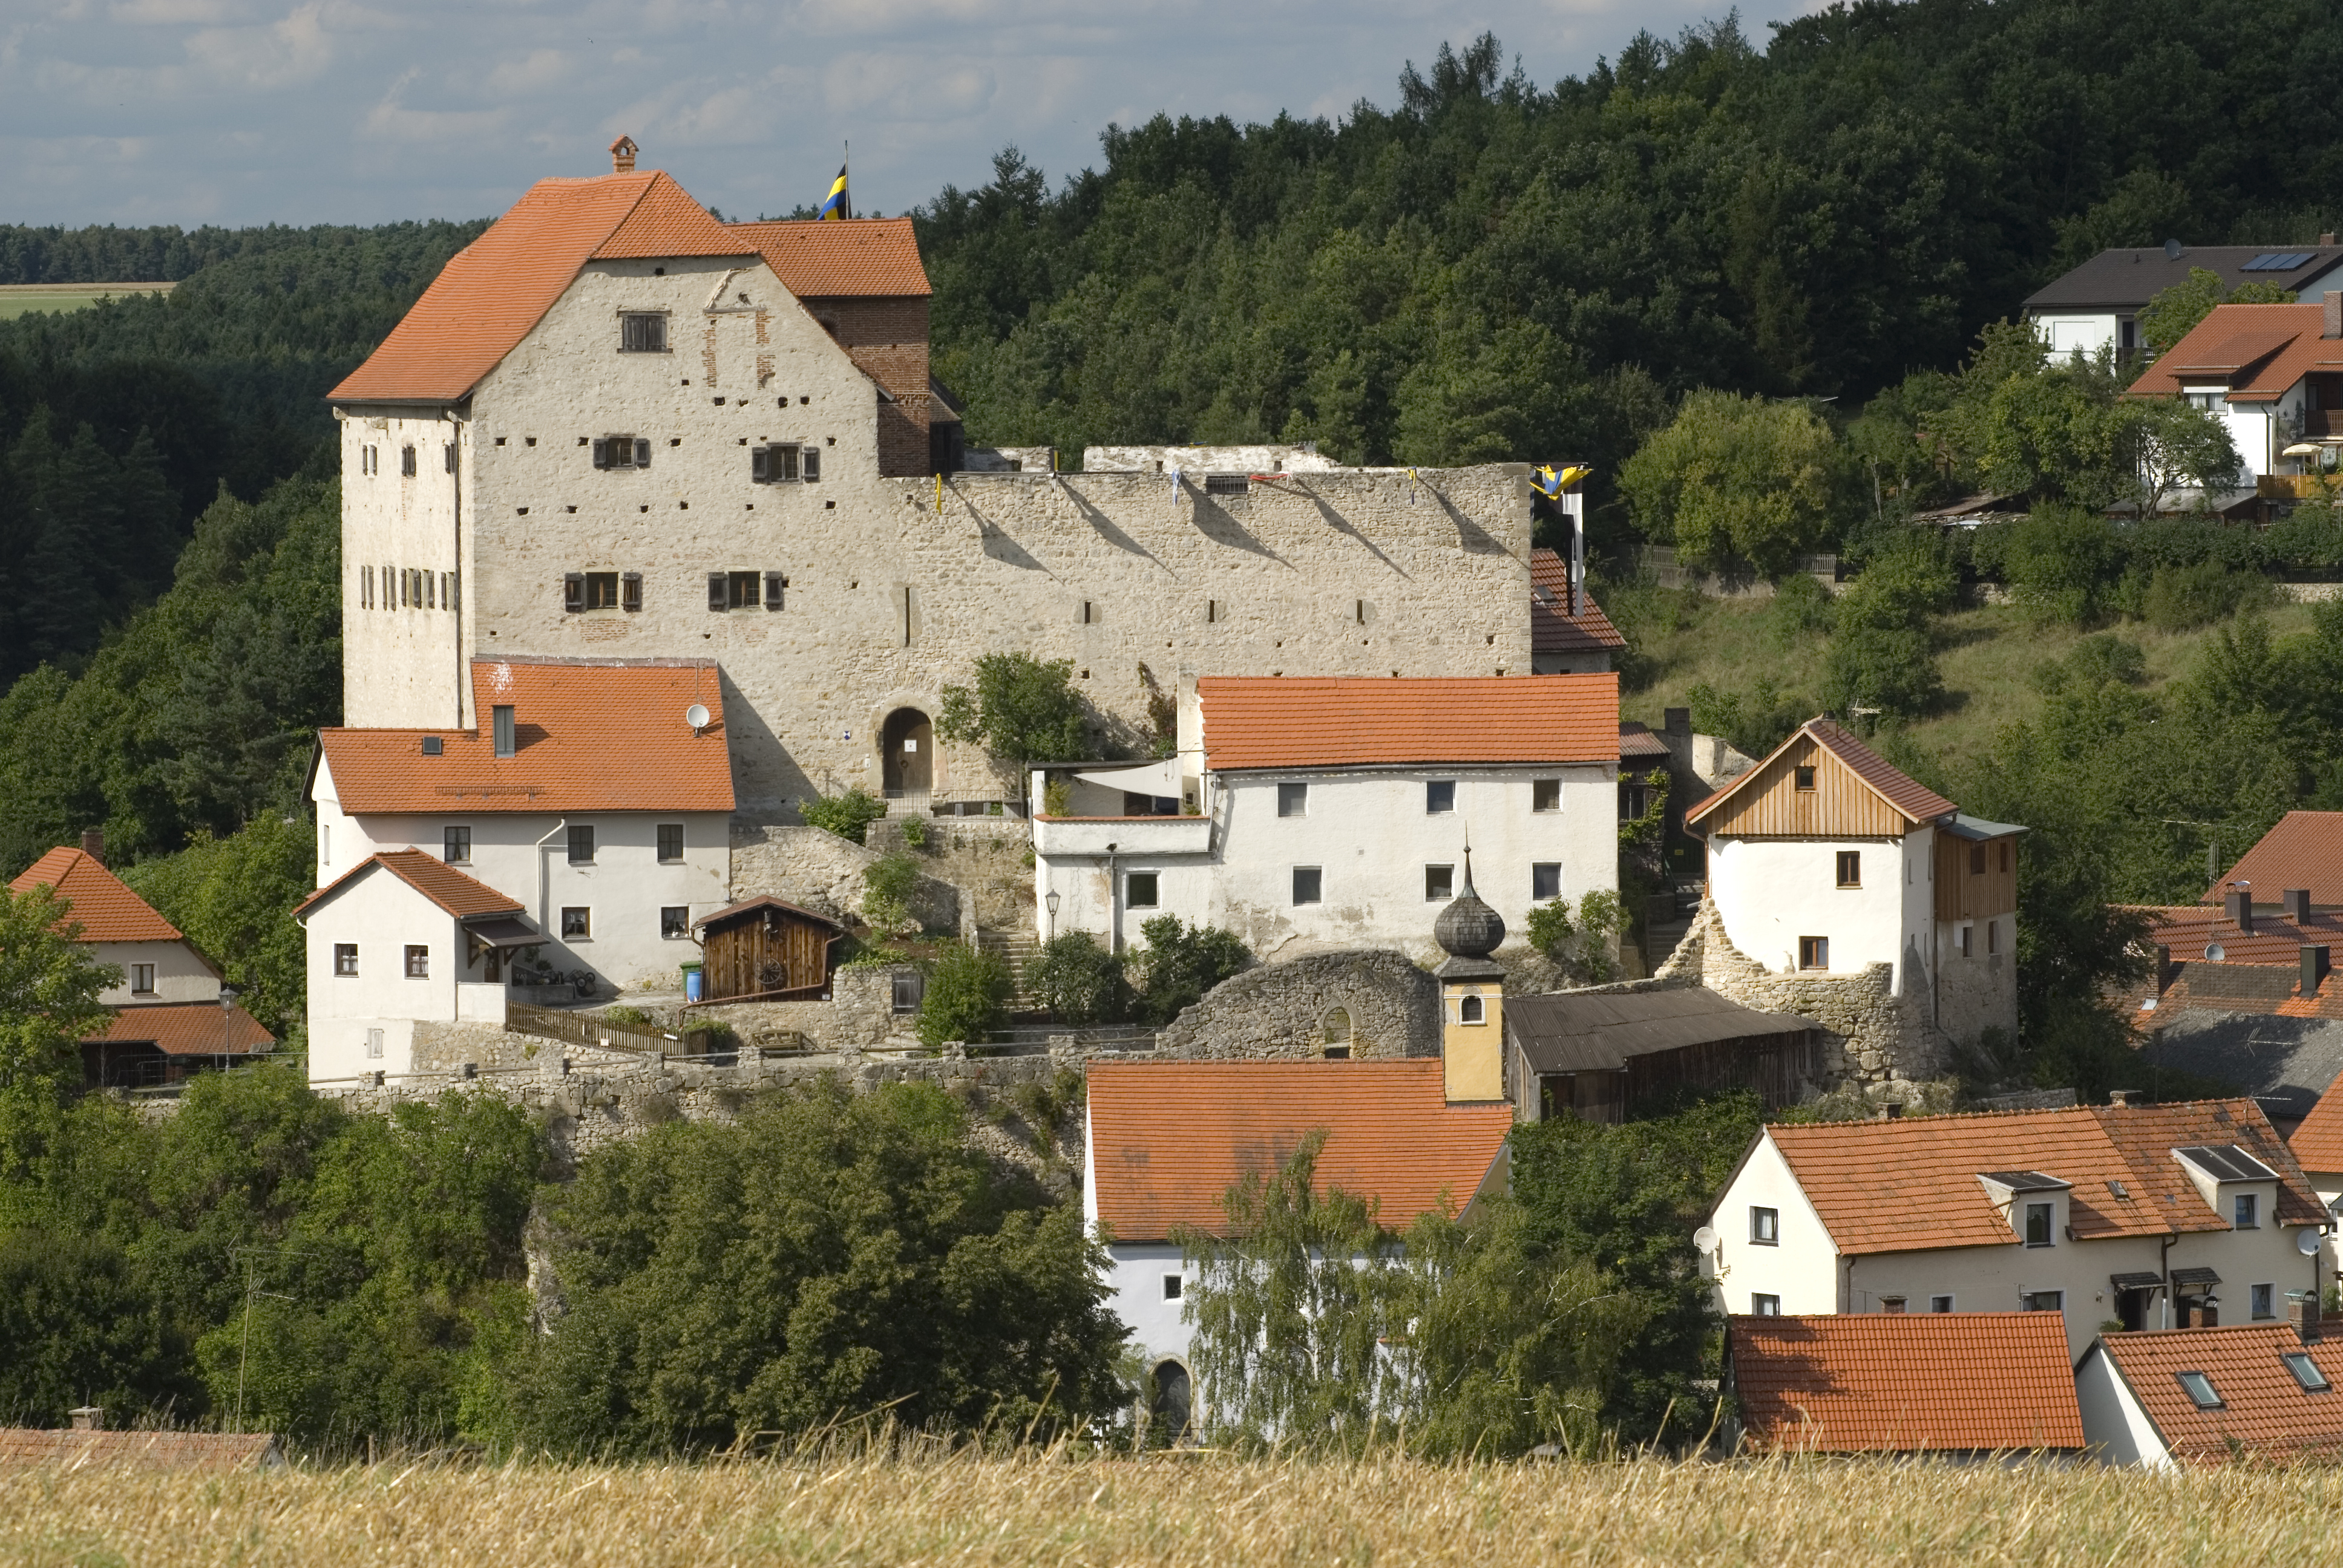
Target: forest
x,y
1761,284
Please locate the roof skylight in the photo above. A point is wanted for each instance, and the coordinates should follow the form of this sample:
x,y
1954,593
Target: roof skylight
x,y
2305,1371
2199,1390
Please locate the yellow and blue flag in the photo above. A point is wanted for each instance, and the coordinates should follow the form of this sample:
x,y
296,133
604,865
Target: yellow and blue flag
x,y
1553,478
836,207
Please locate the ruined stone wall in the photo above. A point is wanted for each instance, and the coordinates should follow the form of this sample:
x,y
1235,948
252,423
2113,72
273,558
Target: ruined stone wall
x,y
987,859
816,870
1278,1012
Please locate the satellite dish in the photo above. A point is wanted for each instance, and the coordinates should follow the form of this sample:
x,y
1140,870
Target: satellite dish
x,y
696,716
2215,952
1705,1239
2173,249
2307,1243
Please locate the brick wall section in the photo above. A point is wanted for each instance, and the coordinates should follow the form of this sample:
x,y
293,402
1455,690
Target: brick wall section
x,y
1277,1012
889,339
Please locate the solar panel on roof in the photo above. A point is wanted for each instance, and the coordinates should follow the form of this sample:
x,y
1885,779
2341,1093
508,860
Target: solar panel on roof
x,y
2226,1163
2277,261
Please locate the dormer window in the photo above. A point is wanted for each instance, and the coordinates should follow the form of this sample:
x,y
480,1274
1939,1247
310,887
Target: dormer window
x,y
502,725
2039,1219
642,332
2245,1212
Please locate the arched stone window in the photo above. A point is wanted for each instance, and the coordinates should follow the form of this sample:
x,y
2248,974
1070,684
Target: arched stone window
x,y
1337,1028
1469,1010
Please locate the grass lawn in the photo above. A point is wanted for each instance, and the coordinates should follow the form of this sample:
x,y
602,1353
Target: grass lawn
x,y
24,299
1987,656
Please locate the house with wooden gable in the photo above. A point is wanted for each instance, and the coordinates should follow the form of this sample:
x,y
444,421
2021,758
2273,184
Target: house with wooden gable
x,y
2154,1216
172,1013
1827,864
2262,1394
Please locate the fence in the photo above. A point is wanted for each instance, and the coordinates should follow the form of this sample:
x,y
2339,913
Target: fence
x,y
586,1029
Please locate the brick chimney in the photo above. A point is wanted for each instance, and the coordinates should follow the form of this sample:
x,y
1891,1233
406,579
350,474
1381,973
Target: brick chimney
x,y
2316,965
2123,1098
2238,902
2296,902
622,162
2333,326
1676,721
2302,1312
90,1418
2326,239
93,844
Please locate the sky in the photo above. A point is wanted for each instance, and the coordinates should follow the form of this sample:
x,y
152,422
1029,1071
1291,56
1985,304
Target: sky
x,y
241,111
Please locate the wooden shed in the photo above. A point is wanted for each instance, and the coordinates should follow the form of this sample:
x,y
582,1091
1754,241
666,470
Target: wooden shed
x,y
763,949
1594,1054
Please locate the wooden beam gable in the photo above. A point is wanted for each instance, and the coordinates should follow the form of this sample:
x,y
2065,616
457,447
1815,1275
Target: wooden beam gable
x,y
1768,802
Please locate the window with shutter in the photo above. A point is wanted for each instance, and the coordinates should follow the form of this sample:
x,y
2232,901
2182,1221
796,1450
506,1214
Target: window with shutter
x,y
642,332
601,454
758,474
573,591
741,591
716,591
642,454
449,451
406,461
774,583
811,464
630,591
601,590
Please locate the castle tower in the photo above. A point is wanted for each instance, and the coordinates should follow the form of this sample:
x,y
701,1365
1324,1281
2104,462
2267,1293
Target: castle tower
x,y
1471,996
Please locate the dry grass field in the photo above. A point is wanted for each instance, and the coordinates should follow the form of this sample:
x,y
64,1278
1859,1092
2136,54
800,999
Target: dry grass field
x,y
24,299
1201,1509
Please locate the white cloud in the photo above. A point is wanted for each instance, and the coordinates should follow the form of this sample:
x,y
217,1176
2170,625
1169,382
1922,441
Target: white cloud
x,y
541,68
293,49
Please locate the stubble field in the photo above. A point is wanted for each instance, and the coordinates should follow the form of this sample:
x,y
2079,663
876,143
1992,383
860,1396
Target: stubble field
x,y
1196,1509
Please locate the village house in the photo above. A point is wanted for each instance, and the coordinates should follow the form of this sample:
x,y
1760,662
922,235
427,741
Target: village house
x,y
2096,306
2260,1393
1886,912
173,1015
1949,1385
2317,1145
2153,1216
1316,814
1597,1054
581,824
615,428
2273,375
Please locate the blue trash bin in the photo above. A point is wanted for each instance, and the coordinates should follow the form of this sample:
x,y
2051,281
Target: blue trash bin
x,y
691,982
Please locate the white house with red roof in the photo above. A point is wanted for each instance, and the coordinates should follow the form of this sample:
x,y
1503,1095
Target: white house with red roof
x,y
2272,374
2153,1216
167,1017
594,799
1312,815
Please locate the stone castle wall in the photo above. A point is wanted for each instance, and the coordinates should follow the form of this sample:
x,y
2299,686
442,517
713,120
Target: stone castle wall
x,y
816,870
1278,1012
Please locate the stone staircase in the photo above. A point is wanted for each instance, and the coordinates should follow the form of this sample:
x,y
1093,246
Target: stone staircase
x,y
1019,948
1667,920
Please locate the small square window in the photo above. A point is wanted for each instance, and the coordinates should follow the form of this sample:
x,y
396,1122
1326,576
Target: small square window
x,y
1802,777
142,980
1546,794
1891,1303
1172,1284
675,921
1439,797
1850,868
1940,1303
2199,1390
581,845
346,958
2044,1302
2264,1306
2247,1209
1545,878
773,465
1439,884
2305,1371
1765,1227
456,846
601,590
2038,1222
1765,1306
671,841
1138,889
575,923
419,962
642,332
910,990
1472,1010
1813,952
1306,884
740,589
1292,799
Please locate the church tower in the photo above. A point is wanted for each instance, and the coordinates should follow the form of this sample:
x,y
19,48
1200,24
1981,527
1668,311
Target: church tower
x,y
1471,996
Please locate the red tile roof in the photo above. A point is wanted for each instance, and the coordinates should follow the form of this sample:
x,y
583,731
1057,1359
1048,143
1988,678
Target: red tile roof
x,y
2264,1411
108,912
864,256
2304,849
433,877
200,1452
1896,1383
1890,783
1552,630
1251,722
2317,1143
2189,929
591,737
2258,351
1168,1139
1911,1184
499,288
186,1029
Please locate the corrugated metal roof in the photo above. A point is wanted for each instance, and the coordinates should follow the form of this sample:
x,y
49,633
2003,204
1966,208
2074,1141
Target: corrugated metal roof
x,y
1169,1138
1312,722
1903,1382
1582,1031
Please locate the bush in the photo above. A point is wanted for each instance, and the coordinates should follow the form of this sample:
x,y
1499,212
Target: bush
x,y
1800,609
1182,963
2308,538
2061,562
1755,723
634,1017
888,884
2093,663
1585,941
968,996
708,1037
849,816
1078,981
2178,599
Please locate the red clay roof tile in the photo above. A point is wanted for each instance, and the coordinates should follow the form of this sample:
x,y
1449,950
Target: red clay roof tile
x,y
2317,1143
497,288
186,1029
1168,1139
435,880
2258,351
2304,849
1552,630
2264,1411
1900,1382
2189,929
108,912
1911,1184
1249,722
864,256
591,737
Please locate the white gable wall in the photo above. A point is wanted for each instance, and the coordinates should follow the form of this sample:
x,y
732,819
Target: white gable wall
x,y
2114,1423
1801,1268
179,974
1772,891
382,915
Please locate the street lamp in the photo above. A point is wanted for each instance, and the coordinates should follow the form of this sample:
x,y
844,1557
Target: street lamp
x,y
1050,902
228,994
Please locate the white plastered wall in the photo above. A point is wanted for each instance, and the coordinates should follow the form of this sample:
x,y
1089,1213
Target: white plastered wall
x,y
382,915
403,665
1772,891
179,974
1801,1268
2113,1425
